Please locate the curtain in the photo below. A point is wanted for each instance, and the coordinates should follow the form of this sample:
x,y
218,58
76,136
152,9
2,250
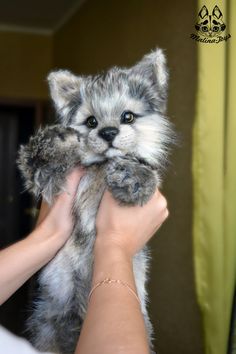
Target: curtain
x,y
214,179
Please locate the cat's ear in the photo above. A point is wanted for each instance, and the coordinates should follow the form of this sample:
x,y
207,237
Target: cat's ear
x,y
153,67
203,12
216,12
64,87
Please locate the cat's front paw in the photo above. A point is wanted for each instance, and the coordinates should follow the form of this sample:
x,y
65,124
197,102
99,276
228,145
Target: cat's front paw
x,y
130,182
47,158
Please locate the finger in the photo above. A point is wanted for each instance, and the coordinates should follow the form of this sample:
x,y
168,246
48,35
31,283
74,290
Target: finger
x,y
73,180
43,212
163,202
108,197
70,189
164,217
166,213
157,193
76,174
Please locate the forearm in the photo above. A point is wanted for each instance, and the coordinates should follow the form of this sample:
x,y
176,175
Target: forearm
x,y
21,260
114,322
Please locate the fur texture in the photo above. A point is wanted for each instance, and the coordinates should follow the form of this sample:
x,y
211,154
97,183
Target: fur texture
x,y
115,125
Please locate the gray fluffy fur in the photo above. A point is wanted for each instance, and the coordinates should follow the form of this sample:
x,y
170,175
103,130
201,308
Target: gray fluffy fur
x,y
130,167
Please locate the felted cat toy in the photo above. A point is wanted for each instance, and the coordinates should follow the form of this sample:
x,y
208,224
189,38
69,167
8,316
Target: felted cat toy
x,y
115,125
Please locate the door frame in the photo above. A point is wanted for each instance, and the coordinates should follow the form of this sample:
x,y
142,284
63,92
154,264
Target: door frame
x,y
40,106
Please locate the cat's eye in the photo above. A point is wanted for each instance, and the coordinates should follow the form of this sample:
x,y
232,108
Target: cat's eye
x,y
215,28
91,122
205,29
127,117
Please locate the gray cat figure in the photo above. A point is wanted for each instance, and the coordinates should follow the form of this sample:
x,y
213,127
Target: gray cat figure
x,y
115,125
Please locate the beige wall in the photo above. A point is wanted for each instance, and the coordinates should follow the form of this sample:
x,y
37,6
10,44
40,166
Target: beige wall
x,y
104,33
25,60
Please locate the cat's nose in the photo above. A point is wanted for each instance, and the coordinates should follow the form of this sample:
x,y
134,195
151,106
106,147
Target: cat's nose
x,y
108,133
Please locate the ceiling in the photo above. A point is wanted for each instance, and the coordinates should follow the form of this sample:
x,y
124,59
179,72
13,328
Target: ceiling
x,y
39,16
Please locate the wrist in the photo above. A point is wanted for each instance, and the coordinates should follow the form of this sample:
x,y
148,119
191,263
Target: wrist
x,y
112,250
111,261
47,231
50,242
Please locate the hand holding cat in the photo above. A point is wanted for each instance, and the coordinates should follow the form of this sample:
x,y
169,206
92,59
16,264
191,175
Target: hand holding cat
x,y
129,228
57,219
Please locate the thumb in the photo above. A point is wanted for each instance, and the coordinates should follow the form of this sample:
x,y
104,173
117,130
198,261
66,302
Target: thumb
x,y
73,180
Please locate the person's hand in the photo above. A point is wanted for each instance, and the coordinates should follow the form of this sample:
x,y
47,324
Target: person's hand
x,y
57,219
129,227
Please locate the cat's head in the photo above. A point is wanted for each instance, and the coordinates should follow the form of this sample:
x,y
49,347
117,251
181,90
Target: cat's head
x,y
210,25
119,112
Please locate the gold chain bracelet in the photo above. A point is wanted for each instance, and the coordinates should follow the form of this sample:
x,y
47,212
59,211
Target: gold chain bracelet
x,y
109,281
